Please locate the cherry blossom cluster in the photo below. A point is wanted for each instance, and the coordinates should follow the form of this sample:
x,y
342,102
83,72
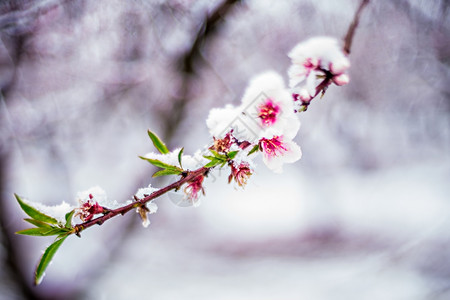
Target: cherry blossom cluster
x,y
264,124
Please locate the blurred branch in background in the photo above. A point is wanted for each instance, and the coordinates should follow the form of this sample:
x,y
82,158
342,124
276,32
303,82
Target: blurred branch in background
x,y
17,21
18,26
437,29
188,63
352,28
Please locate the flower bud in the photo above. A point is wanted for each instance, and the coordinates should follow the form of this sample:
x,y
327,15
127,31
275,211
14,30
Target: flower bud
x,y
341,79
340,65
304,95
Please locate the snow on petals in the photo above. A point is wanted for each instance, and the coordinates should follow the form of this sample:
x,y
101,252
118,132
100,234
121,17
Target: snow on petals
x,y
278,151
220,120
318,62
269,104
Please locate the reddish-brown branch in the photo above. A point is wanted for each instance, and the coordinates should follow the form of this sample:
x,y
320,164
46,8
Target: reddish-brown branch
x,y
321,88
191,175
352,28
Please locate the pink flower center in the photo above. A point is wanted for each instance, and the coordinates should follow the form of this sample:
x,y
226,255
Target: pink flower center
x,y
88,209
273,147
268,112
223,145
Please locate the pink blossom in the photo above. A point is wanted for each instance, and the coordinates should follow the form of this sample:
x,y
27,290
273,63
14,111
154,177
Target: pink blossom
x,y
341,79
317,62
279,150
268,102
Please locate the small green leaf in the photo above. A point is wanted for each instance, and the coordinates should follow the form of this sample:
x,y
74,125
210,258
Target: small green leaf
x,y
160,164
216,154
232,154
254,149
180,155
221,157
213,163
46,259
38,223
42,231
209,157
34,213
69,217
162,148
166,172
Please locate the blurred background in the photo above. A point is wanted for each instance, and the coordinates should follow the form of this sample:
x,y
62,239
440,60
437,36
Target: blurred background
x,y
365,214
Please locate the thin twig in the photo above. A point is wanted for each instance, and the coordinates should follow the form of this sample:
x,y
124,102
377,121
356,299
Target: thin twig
x,y
124,209
352,28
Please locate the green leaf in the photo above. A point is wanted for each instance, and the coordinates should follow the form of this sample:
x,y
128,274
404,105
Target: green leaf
x,y
34,213
254,149
46,259
216,154
69,217
43,231
209,157
213,163
166,172
180,155
162,148
38,223
160,164
232,154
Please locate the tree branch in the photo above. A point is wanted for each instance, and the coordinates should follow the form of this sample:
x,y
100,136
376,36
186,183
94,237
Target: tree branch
x,y
191,175
352,28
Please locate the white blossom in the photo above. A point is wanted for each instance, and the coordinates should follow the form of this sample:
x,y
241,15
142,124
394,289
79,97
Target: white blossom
x,y
266,104
311,60
278,151
269,104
